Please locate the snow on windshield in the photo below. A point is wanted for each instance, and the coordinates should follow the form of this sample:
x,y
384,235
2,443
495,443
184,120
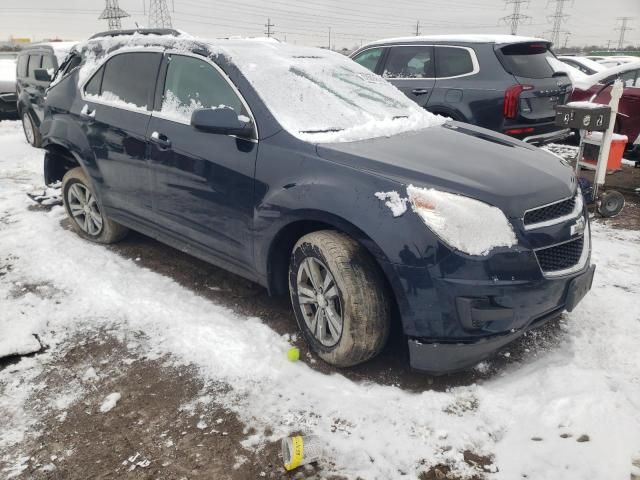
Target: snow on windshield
x,y
322,96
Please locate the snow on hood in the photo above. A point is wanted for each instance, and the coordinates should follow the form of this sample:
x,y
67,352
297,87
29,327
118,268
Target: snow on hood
x,y
316,95
591,80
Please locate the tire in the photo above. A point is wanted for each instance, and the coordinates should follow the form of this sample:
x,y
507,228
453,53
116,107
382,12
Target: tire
x,y
31,132
611,203
84,221
357,294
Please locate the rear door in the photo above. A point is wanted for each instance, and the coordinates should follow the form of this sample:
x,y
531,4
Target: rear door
x,y
115,113
411,69
543,88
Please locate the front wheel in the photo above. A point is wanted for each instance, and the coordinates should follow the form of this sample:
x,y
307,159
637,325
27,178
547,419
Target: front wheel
x,y
87,217
339,298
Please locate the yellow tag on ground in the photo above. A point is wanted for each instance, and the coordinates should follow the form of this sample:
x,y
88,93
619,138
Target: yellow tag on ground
x,y
293,354
297,454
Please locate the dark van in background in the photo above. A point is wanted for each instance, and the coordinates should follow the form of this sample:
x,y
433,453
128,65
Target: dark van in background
x,y
36,67
501,82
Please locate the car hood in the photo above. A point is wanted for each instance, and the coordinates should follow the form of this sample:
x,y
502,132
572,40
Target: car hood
x,y
463,159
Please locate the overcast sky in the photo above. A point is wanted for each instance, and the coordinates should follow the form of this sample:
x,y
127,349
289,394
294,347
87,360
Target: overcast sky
x,y
352,22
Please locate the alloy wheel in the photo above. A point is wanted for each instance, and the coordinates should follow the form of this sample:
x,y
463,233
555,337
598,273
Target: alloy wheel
x,y
319,301
84,209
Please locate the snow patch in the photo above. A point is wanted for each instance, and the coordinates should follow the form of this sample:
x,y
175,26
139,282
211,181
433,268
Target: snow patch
x,y
109,402
396,204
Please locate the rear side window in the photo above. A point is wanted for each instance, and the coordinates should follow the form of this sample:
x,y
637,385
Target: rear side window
x,y
22,65
529,60
131,78
34,63
409,62
453,62
191,84
369,59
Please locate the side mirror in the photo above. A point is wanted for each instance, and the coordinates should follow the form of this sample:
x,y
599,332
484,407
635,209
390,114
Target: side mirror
x,y
223,121
41,75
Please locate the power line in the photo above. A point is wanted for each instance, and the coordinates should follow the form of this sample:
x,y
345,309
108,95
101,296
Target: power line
x,y
516,18
268,25
558,18
113,14
159,16
623,29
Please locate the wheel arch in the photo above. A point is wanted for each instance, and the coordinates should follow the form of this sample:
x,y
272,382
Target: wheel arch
x,y
282,243
58,160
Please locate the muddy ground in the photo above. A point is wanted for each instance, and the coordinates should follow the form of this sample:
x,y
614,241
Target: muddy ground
x,y
167,424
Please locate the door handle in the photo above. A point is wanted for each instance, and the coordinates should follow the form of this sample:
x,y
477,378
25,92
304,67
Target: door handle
x,y
161,140
420,91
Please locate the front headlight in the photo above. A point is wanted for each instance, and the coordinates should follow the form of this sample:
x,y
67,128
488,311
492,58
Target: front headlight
x,y
468,225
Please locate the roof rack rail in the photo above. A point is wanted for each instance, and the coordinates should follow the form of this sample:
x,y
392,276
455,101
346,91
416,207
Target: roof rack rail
x,y
139,31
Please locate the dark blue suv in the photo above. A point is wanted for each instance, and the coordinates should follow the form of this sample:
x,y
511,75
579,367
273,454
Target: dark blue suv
x,y
501,82
301,170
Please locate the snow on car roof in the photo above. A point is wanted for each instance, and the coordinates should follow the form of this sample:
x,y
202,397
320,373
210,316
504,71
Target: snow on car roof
x,y
463,38
317,95
591,80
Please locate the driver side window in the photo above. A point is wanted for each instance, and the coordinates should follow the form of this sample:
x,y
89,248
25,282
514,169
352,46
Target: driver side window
x,y
193,84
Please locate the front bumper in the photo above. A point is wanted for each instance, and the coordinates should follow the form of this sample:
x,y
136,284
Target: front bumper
x,y
439,358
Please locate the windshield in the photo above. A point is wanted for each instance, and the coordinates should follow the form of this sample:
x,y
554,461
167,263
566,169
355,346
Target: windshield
x,y
322,96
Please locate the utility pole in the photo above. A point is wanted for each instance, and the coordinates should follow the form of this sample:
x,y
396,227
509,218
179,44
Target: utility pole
x,y
159,16
566,38
112,14
329,38
268,25
516,18
609,45
624,28
557,19
417,28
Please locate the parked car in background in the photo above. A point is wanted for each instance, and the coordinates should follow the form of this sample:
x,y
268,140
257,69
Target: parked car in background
x,y
301,170
597,89
617,60
36,67
8,88
586,66
500,82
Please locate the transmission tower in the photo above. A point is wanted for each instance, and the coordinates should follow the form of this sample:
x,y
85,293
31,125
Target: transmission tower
x,y
558,18
516,18
624,28
113,13
268,26
159,16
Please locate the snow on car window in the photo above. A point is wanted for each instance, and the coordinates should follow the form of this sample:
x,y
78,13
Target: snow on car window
x,y
322,96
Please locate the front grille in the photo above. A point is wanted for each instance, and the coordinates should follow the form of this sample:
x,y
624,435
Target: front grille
x,y
550,212
560,257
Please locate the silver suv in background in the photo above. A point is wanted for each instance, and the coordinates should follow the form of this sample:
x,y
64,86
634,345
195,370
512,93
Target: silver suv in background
x,y
501,82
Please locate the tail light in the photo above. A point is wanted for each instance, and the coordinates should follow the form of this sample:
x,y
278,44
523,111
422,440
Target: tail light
x,y
512,99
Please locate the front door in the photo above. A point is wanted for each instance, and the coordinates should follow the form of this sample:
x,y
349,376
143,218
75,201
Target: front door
x,y
203,182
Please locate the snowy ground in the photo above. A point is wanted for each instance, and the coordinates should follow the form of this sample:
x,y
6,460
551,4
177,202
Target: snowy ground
x,y
570,404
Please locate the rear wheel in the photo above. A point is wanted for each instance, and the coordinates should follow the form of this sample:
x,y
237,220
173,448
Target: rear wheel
x,y
86,215
31,132
339,298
